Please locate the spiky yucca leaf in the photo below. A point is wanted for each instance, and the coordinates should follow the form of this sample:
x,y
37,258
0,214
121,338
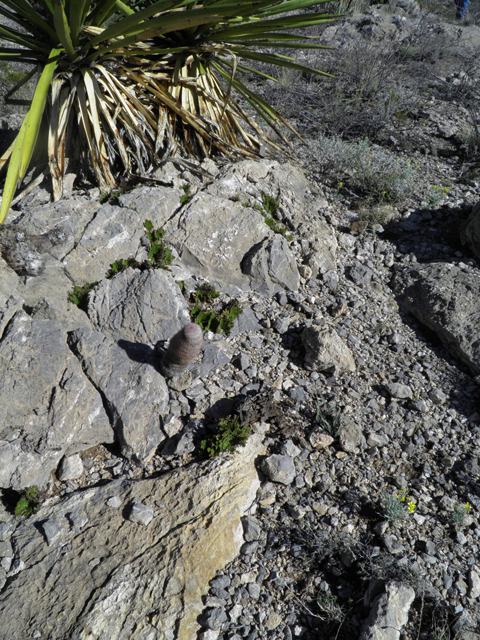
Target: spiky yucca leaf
x,y
148,79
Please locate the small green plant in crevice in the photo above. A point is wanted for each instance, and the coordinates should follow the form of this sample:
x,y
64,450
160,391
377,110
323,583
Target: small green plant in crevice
x,y
187,195
328,417
121,265
110,196
79,295
217,321
206,292
329,608
397,506
229,435
269,213
29,503
159,255
459,513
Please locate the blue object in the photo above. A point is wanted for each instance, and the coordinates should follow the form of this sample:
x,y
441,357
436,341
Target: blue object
x,y
461,7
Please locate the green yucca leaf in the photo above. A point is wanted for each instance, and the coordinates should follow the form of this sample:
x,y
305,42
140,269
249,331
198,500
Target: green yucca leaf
x,y
35,113
76,18
12,173
63,30
23,9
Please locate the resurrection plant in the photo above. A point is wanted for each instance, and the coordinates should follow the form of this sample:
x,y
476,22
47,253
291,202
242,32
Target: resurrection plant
x,y
130,84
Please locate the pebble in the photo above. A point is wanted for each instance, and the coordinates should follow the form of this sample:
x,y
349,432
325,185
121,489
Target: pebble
x,y
279,468
141,514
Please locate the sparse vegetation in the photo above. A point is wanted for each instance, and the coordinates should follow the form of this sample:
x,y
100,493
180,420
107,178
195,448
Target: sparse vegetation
x,y
328,417
217,321
459,514
205,293
79,295
396,506
29,504
187,195
229,435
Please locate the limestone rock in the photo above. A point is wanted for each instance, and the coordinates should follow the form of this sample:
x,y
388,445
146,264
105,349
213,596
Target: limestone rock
x,y
325,350
48,408
279,468
212,235
156,204
113,233
272,262
389,613
118,579
134,392
71,468
444,298
139,306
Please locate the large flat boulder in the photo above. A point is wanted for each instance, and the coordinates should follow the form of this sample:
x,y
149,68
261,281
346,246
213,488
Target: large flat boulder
x,y
134,392
213,234
48,408
444,298
129,560
139,306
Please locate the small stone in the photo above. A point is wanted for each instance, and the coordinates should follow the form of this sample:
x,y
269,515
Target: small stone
x,y
114,502
290,449
279,468
141,514
392,545
215,618
252,529
71,468
209,634
78,520
360,274
400,391
474,584
350,437
461,538
221,582
281,324
437,396
52,531
6,530
461,586
447,581
273,621
319,439
420,405
254,590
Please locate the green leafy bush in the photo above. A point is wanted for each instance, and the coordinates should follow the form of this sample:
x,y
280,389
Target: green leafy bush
x,y
230,435
216,321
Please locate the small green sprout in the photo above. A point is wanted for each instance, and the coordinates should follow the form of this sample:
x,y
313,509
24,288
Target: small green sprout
x,y
159,255
230,435
29,504
206,293
187,197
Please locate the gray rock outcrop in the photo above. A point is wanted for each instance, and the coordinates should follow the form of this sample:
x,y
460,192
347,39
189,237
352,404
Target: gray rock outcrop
x,y
89,571
271,262
139,306
389,613
134,392
48,408
444,298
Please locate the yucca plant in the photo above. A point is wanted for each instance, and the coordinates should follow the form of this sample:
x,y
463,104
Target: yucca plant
x,y
133,83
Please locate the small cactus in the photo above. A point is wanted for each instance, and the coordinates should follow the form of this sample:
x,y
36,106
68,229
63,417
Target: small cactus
x,y
184,347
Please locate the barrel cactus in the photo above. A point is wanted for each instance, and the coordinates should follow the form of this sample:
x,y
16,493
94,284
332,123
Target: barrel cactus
x,y
184,347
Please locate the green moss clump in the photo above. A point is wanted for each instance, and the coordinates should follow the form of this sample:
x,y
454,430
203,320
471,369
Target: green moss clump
x,y
29,503
79,295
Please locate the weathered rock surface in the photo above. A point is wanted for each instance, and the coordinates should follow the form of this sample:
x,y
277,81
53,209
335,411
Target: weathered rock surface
x,y
326,350
139,306
271,262
444,298
213,235
103,576
48,408
134,392
389,613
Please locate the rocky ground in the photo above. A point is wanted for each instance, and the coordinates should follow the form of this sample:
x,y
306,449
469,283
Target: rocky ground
x,y
365,523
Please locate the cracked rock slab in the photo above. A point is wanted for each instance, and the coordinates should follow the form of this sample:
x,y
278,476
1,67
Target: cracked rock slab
x,y
444,298
48,408
134,392
139,306
116,579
